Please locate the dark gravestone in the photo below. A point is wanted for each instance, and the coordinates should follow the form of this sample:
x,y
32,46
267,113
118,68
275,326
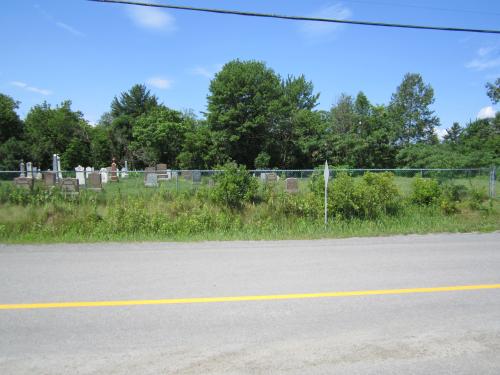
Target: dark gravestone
x,y
23,183
187,175
161,171
94,181
271,177
49,179
292,185
70,186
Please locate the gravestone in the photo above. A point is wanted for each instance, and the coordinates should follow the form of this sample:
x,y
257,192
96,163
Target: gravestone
x,y
70,186
94,181
187,175
88,171
104,175
114,171
151,180
211,182
59,171
162,172
292,185
37,172
22,170
23,183
271,177
49,179
80,175
196,177
29,169
148,171
124,171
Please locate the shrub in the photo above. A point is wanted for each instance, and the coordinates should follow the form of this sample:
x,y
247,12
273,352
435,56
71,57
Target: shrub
x,y
476,198
370,196
234,186
426,191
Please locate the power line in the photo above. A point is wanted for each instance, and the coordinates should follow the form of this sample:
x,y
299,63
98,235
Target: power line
x,y
300,18
421,7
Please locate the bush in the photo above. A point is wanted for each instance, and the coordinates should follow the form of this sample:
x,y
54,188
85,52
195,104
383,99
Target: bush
x,y
369,196
426,191
234,186
476,198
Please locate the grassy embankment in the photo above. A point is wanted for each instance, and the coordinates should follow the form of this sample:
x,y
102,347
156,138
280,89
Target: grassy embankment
x,y
129,212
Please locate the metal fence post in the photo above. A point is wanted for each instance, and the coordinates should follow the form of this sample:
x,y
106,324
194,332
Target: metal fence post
x,y
177,181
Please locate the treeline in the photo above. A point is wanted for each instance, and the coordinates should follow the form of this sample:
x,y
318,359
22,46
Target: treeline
x,y
258,119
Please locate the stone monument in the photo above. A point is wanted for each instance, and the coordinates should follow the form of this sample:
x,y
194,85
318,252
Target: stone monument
x,y
80,175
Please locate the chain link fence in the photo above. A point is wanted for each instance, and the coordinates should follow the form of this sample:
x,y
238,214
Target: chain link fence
x,y
141,181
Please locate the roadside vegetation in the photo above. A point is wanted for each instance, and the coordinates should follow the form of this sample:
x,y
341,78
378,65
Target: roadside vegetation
x,y
238,206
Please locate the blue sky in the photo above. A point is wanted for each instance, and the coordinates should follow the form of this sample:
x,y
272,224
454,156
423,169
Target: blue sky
x,y
89,52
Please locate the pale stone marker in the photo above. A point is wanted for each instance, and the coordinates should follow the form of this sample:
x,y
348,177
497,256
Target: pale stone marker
x,y
88,170
23,182
151,180
292,185
38,173
59,171
49,179
29,169
70,185
22,170
196,177
104,175
94,181
148,171
124,171
80,175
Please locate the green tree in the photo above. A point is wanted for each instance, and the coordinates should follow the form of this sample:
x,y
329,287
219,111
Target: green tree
x,y
452,135
202,149
410,107
493,90
10,123
158,136
51,130
240,102
135,102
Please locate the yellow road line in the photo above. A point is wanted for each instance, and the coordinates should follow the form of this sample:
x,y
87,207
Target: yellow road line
x,y
176,301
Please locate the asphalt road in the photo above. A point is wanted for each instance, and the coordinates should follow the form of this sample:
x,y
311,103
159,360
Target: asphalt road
x,y
436,332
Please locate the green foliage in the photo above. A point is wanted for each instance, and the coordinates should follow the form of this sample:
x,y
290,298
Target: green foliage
x,y
158,136
410,104
11,125
135,102
426,191
493,90
235,186
262,160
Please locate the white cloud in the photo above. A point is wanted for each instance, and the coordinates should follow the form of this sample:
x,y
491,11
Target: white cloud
x,y
486,112
201,71
151,18
486,58
440,132
27,87
72,30
160,83
313,29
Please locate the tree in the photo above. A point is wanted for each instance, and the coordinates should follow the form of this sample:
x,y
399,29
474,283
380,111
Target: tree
x,y
240,104
452,135
135,102
51,130
493,90
410,107
158,136
202,149
293,126
10,123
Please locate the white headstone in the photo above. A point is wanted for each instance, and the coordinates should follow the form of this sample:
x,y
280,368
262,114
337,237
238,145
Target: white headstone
x,y
38,174
29,170
80,175
22,170
151,180
59,172
104,175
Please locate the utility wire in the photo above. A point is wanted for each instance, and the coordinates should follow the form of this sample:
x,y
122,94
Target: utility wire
x,y
299,18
